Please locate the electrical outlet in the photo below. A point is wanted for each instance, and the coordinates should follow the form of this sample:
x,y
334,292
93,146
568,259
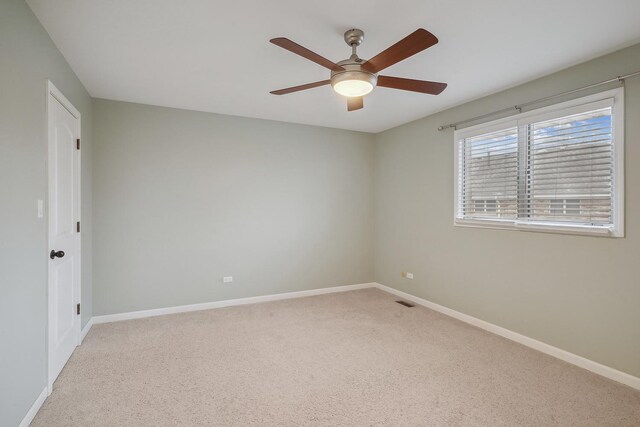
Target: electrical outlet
x,y
227,279
407,275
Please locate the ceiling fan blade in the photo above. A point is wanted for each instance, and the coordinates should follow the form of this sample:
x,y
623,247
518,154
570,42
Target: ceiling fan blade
x,y
299,88
305,53
422,86
415,42
355,103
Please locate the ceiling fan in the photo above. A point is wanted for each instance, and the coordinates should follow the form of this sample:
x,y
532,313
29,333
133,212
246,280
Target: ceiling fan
x,y
355,77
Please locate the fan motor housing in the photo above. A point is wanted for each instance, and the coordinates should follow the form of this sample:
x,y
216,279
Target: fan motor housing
x,y
353,71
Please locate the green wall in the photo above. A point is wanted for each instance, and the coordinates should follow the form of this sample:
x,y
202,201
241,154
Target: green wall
x,y
184,198
28,58
577,293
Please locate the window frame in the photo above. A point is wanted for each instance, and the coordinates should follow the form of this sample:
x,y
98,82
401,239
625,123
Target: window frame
x,y
613,98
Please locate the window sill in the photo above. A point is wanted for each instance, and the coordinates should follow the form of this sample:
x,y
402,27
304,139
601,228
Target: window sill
x,y
556,228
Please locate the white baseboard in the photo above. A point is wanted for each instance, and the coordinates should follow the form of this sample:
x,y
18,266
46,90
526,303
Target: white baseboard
x,y
86,329
225,303
568,357
34,409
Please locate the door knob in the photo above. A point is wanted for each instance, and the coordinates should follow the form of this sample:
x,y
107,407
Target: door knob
x,y
54,254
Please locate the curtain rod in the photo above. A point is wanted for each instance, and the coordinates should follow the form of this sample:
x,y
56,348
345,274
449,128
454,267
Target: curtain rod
x,y
518,108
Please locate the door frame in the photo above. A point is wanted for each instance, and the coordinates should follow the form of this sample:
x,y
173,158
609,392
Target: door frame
x,y
59,97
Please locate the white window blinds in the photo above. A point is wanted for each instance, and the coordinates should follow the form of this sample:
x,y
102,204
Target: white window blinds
x,y
489,184
549,169
570,169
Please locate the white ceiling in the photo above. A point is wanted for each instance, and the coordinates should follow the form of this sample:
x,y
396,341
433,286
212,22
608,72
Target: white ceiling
x,y
215,55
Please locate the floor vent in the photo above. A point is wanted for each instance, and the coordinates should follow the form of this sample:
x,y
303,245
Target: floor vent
x,y
406,304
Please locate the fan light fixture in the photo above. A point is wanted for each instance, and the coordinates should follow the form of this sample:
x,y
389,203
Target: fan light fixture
x,y
353,83
351,88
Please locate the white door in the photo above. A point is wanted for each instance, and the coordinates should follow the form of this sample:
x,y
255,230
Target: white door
x,y
64,235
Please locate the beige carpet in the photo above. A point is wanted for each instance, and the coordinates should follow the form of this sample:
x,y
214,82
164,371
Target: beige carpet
x,y
355,358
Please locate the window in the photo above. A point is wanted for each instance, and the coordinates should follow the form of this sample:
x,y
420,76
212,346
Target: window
x,y
558,169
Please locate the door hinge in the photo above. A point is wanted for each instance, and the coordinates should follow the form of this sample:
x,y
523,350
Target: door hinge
x,y
78,226
78,144
78,309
